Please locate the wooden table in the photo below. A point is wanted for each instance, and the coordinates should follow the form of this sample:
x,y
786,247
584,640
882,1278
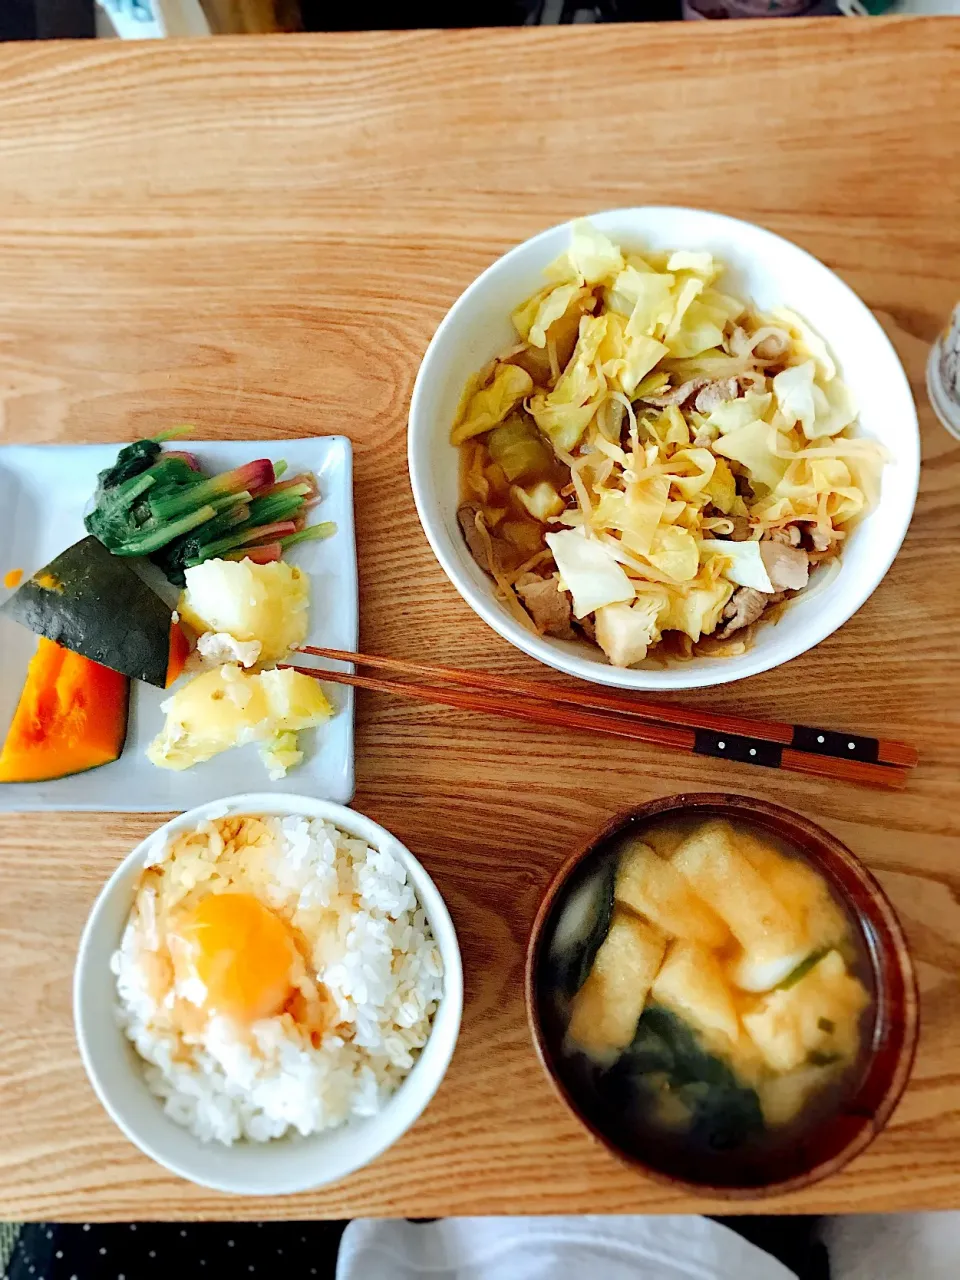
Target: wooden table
x,y
259,236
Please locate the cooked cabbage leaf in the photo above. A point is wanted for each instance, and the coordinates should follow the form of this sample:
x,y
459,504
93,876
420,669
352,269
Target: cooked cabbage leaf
x,y
794,391
627,358
554,305
489,406
588,571
652,301
834,408
730,414
721,488
675,553
696,610
592,258
752,447
564,413
744,563
635,513
701,264
691,471
684,293
807,342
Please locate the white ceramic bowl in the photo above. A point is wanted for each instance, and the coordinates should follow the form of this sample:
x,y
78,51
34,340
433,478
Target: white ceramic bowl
x,y
287,1164
764,267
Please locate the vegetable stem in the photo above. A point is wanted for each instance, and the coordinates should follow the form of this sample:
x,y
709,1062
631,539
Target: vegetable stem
x,y
313,533
802,969
269,553
304,485
233,499
251,476
172,433
126,494
240,537
279,507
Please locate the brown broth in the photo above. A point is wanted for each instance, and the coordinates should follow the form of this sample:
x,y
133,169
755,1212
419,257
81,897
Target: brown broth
x,y
516,535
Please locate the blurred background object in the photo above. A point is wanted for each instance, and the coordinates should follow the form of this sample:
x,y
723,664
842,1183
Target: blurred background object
x,y
45,19
235,17
150,19
145,19
747,8
943,375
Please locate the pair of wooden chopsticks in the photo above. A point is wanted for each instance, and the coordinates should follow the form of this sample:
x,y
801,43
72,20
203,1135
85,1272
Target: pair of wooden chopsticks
x,y
827,753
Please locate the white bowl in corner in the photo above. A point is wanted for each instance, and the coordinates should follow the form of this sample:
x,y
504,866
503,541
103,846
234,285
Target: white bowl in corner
x,y
762,266
284,1165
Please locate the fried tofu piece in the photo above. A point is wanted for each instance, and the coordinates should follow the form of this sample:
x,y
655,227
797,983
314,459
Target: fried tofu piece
x,y
691,982
608,1006
798,886
818,1015
770,933
782,1098
664,840
655,889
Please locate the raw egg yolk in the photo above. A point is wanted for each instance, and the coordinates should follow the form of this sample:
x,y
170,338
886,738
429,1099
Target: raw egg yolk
x,y
242,952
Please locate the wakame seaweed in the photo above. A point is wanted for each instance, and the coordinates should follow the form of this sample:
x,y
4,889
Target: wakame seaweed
x,y
665,1053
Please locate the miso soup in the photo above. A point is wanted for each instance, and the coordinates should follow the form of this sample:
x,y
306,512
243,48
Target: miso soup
x,y
706,998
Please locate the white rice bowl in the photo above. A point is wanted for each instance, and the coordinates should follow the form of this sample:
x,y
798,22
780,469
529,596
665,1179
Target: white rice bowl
x,y
262,1107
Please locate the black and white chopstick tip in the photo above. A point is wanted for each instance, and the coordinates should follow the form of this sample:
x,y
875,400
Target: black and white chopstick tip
x,y
847,746
732,746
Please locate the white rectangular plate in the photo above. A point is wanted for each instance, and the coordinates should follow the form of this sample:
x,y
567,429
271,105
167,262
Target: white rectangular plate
x,y
44,490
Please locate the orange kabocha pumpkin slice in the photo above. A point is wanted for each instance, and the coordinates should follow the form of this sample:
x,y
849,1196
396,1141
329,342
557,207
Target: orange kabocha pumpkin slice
x,y
72,716
179,652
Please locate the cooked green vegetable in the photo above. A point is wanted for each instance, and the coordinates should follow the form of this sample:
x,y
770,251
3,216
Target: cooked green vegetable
x,y
142,514
94,604
137,457
160,504
173,501
666,1055
802,969
284,531
188,548
520,450
268,524
131,461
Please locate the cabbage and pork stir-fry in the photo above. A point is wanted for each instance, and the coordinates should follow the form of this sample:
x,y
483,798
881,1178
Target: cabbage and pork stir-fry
x,y
655,463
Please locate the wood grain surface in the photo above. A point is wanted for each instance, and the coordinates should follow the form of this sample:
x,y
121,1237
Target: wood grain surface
x,y
259,236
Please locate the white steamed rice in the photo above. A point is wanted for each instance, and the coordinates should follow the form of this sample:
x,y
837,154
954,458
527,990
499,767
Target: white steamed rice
x,y
386,979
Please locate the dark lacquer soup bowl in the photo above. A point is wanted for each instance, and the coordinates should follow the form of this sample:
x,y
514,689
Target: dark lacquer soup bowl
x,y
722,994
